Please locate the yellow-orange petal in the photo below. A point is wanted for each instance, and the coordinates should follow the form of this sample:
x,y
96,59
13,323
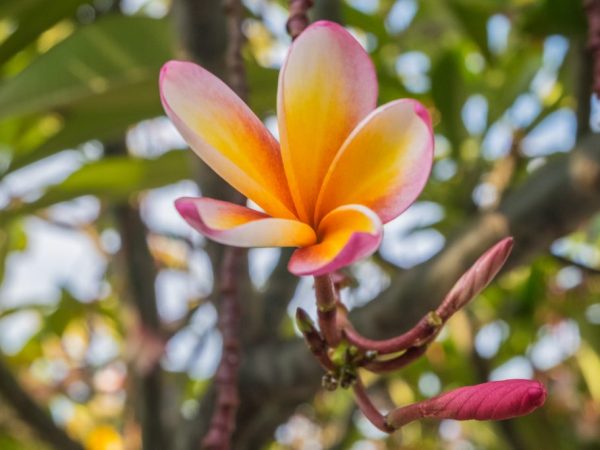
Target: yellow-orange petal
x,y
346,234
327,85
236,225
384,164
226,134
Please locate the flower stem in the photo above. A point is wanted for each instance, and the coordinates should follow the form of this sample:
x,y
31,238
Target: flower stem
x,y
420,334
367,407
327,305
314,340
471,283
410,355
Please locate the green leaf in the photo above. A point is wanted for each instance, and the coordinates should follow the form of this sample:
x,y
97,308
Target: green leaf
x,y
115,178
511,79
102,117
449,94
12,8
32,23
263,88
473,17
116,52
371,23
555,16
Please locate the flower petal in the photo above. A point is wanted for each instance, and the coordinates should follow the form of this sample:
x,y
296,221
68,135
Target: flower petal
x,y
346,234
384,163
226,134
239,226
326,86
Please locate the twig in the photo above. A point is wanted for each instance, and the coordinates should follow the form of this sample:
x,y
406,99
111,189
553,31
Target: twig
x,y
222,423
466,288
314,341
588,269
368,408
298,20
226,379
389,365
236,70
31,413
592,8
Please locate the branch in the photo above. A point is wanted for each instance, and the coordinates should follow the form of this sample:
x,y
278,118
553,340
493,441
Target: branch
x,y
31,413
223,419
226,379
138,264
592,8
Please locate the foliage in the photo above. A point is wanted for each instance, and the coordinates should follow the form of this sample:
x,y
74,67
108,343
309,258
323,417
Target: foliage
x,y
503,80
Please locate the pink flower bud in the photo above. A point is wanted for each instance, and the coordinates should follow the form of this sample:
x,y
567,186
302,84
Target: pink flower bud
x,y
476,278
496,400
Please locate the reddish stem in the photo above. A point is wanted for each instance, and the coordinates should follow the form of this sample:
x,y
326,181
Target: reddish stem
x,y
369,410
314,340
406,358
298,20
223,420
327,306
421,333
471,283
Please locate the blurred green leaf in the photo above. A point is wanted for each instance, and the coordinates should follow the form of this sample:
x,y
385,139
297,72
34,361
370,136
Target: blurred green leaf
x,y
554,17
263,88
32,23
473,15
11,8
114,178
449,94
102,117
116,52
370,23
511,78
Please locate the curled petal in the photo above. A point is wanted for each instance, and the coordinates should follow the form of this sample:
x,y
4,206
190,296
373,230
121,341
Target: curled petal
x,y
226,134
384,164
496,400
326,87
345,235
239,226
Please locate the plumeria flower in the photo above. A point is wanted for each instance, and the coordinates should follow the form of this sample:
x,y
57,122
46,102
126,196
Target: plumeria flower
x,y
343,167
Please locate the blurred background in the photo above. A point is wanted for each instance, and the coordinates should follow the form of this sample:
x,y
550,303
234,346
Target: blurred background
x,y
107,313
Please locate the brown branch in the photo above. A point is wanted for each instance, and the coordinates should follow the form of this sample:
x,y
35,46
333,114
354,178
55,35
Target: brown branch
x,y
138,265
227,400
585,268
298,20
223,419
32,414
592,8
